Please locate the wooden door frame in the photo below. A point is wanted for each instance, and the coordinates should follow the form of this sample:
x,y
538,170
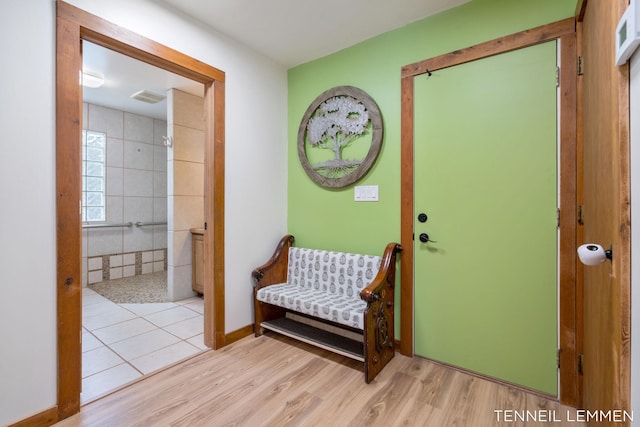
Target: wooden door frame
x,y
74,25
565,32
618,394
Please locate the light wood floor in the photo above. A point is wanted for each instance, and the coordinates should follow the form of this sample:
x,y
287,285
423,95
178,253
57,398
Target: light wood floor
x,y
275,381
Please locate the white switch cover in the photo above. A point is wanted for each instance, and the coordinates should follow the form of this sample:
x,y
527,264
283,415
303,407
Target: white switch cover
x,y
365,193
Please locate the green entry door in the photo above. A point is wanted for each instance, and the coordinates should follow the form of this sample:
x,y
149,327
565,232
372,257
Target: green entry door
x,y
486,178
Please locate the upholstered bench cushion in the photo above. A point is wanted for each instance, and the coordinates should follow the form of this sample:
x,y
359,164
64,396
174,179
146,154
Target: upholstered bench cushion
x,y
338,273
320,304
324,284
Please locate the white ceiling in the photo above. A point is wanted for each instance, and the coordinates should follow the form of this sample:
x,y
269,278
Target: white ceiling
x,y
290,32
124,76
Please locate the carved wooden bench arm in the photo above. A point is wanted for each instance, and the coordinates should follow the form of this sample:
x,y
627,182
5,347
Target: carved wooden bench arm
x,y
275,270
379,338
385,277
272,272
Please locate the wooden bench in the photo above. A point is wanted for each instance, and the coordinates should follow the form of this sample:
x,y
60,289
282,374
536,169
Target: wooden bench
x,y
339,301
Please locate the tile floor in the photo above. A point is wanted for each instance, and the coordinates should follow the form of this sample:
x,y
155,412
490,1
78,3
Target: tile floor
x,y
122,342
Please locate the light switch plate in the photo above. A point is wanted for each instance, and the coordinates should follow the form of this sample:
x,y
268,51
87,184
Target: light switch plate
x,y
365,193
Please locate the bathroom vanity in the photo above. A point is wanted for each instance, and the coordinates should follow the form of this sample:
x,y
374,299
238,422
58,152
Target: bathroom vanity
x,y
197,260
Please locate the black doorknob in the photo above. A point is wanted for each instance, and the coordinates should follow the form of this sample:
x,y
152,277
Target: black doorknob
x,y
423,217
424,238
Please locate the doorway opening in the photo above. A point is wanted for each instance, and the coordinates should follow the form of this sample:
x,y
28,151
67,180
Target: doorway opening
x,y
141,308
73,27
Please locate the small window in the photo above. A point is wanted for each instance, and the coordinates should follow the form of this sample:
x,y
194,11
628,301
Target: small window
x,y
94,149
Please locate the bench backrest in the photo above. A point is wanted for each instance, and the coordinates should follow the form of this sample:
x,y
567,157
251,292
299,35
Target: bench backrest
x,y
337,273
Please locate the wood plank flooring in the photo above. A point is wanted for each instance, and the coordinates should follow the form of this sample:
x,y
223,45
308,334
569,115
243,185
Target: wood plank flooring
x,y
276,381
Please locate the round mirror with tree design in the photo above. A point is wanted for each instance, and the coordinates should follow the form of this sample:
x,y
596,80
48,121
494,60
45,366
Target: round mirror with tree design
x,y
340,136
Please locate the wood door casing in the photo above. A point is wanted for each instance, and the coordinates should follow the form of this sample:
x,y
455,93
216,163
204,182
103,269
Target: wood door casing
x,y
73,26
565,32
605,196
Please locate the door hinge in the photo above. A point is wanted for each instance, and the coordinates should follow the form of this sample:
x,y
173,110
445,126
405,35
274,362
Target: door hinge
x,y
557,76
205,225
558,216
558,358
580,66
580,363
580,215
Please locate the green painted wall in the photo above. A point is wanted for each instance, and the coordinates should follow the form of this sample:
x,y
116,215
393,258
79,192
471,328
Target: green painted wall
x,y
330,219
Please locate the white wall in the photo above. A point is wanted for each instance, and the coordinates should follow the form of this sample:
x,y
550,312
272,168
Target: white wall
x,y
635,235
255,177
27,212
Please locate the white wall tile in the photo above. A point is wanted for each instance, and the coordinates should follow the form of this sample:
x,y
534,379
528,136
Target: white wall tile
x,y
158,266
138,128
137,239
94,277
138,155
158,255
138,209
160,184
85,115
115,181
181,248
147,256
160,158
188,144
94,263
129,271
104,241
187,109
188,212
115,273
160,237
115,261
114,210
160,209
179,281
115,153
159,130
147,268
188,178
138,183
129,259
85,272
107,120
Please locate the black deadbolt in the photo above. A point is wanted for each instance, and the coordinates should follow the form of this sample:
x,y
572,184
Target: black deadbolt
x,y
423,217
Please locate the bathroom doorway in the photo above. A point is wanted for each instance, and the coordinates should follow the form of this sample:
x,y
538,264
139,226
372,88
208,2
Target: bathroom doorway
x,y
140,126
73,27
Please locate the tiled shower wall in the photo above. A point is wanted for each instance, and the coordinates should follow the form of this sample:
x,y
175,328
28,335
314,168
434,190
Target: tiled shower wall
x,y
186,186
136,191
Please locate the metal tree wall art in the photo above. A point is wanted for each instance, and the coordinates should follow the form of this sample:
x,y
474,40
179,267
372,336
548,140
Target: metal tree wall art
x,y
340,118
334,125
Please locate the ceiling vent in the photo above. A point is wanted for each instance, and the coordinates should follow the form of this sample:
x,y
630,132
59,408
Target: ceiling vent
x,y
147,96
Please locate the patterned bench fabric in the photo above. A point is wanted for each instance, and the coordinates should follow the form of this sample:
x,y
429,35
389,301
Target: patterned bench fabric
x,y
325,284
